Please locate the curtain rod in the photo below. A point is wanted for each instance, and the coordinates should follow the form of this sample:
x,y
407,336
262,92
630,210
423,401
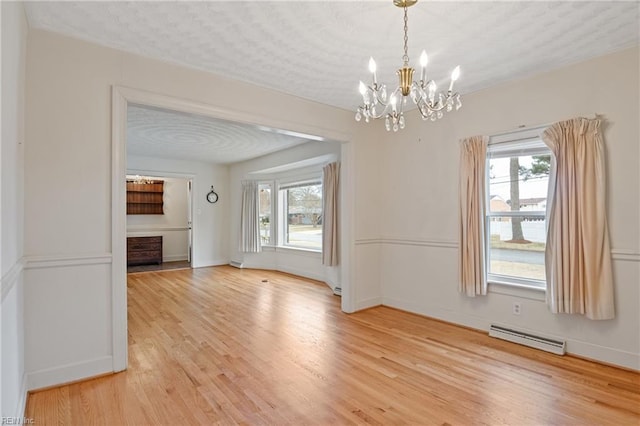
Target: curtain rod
x,y
522,127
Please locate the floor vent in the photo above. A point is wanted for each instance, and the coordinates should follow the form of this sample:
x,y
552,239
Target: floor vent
x,y
236,264
554,346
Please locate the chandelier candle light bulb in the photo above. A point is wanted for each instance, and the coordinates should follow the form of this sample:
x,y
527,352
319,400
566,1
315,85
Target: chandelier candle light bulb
x,y
372,70
422,94
424,59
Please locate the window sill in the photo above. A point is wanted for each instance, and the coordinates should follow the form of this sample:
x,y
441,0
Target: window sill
x,y
518,290
297,250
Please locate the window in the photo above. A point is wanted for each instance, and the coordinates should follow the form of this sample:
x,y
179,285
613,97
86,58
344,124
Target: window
x,y
265,213
302,215
517,185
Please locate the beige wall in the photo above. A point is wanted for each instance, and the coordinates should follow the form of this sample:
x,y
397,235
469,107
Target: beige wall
x,y
419,225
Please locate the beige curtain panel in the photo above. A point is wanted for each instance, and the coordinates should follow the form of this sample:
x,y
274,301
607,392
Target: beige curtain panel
x,y
578,255
249,219
330,185
473,152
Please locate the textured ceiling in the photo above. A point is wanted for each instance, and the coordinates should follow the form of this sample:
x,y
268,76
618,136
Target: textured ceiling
x,y
181,136
319,50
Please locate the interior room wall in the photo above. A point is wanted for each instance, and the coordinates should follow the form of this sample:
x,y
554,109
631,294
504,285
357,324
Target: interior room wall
x,y
303,263
173,225
210,221
68,228
14,47
419,225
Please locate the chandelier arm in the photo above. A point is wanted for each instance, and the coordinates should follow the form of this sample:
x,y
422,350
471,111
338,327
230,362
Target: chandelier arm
x,y
430,105
366,110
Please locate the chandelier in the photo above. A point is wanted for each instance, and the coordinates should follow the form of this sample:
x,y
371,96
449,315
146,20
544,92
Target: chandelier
x,y
376,103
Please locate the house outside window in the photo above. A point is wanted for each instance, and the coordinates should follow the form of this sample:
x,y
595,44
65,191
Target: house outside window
x,y
517,179
302,215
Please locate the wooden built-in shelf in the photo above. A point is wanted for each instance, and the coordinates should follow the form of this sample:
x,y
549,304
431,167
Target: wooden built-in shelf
x,y
145,198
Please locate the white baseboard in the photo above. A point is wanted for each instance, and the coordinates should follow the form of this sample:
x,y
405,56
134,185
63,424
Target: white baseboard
x,y
69,373
302,273
574,347
214,262
22,401
367,303
174,257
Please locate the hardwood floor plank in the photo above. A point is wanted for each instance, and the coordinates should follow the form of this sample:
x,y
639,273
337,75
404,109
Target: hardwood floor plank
x,y
224,346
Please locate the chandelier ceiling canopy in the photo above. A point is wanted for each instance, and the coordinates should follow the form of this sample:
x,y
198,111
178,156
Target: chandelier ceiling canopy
x,y
377,103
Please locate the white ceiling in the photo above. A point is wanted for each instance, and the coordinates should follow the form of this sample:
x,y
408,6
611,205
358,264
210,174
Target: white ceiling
x,y
319,50
170,134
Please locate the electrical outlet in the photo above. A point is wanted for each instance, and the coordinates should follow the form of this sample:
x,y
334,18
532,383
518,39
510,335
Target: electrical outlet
x,y
517,308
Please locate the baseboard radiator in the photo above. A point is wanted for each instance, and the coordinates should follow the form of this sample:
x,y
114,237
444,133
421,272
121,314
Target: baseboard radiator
x,y
236,264
554,346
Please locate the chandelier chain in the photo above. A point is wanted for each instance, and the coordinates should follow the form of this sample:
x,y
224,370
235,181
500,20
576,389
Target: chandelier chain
x,y
405,57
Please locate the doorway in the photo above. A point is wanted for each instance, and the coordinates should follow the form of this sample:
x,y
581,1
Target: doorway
x,y
123,98
163,240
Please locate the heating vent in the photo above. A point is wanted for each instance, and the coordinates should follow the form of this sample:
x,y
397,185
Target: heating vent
x,y
538,342
337,291
236,264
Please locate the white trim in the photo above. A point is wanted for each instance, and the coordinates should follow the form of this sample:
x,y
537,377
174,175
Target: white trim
x,y
119,339
403,241
625,255
9,280
522,292
22,400
300,251
143,97
121,96
368,303
367,241
143,228
39,262
69,373
210,263
616,254
175,257
347,224
419,242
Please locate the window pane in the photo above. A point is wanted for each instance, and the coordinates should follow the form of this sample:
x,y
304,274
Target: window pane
x,y
265,213
522,257
518,183
304,216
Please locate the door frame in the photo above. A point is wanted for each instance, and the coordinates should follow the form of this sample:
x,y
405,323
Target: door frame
x,y
190,178
121,98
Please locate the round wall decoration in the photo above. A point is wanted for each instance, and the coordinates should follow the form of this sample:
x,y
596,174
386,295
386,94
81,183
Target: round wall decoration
x,y
212,196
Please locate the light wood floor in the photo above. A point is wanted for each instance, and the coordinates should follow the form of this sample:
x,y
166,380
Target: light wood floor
x,y
220,346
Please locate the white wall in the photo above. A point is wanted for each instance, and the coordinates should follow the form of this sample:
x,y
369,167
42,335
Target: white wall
x,y
419,225
68,224
172,225
210,221
14,46
302,263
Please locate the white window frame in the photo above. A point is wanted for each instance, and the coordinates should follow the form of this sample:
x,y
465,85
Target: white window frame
x,y
517,143
282,212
